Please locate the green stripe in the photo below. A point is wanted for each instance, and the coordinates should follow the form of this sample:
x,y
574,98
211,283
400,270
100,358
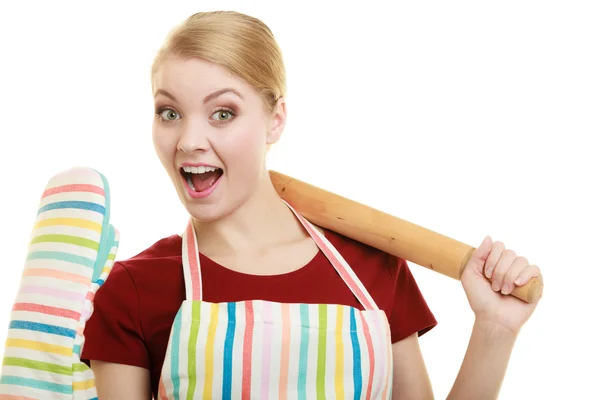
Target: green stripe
x,y
42,366
195,325
322,351
80,367
76,240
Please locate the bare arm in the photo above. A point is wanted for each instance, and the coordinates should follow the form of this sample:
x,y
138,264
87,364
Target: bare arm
x,y
121,382
411,381
485,363
481,374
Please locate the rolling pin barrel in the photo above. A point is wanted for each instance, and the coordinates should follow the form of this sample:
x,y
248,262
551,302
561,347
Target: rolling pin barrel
x,y
383,231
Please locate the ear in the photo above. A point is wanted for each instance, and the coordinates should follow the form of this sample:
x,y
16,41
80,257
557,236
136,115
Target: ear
x,y
277,122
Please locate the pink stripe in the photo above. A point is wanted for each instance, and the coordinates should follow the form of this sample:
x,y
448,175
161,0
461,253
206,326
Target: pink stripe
x,y
367,332
285,351
90,296
12,397
380,351
162,392
192,253
340,269
266,360
73,188
64,294
50,273
247,355
59,312
389,361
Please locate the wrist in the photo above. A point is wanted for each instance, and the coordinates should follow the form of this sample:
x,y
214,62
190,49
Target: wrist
x,y
494,330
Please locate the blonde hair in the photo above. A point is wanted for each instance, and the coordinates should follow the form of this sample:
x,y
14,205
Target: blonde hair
x,y
242,44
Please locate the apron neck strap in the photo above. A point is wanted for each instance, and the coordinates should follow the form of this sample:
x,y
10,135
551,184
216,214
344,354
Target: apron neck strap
x,y
193,276
191,264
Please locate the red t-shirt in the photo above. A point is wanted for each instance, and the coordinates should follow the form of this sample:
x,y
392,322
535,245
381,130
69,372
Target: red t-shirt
x,y
136,306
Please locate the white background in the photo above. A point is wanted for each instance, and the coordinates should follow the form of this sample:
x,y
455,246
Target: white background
x,y
466,117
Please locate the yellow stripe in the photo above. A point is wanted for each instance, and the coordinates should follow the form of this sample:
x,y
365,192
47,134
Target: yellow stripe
x,y
210,349
39,346
339,354
76,222
85,385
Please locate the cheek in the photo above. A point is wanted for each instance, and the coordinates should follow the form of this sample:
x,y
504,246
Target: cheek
x,y
247,147
163,144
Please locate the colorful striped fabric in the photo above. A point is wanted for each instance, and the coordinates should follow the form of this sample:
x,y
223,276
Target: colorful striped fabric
x,y
265,350
70,255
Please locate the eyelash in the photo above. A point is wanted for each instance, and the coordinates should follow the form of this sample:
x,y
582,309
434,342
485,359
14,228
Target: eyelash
x,y
159,111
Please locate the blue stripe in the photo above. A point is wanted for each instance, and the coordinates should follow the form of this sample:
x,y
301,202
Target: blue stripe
x,y
108,233
61,256
34,383
302,367
77,349
356,356
104,248
81,205
35,326
228,350
175,355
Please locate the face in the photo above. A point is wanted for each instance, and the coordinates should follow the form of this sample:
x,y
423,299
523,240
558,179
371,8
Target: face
x,y
211,132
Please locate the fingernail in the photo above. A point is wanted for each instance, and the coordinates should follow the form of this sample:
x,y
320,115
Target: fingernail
x,y
495,286
519,280
505,289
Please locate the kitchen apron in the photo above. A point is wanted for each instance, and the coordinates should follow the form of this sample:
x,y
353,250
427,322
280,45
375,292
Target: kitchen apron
x,y
267,350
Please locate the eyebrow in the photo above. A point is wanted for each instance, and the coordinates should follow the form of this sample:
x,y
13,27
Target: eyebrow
x,y
208,98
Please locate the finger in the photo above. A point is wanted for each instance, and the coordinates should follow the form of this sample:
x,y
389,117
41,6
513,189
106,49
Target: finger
x,y
528,273
480,254
506,259
508,283
493,258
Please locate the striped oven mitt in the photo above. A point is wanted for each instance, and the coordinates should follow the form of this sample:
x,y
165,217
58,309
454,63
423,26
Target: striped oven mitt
x,y
70,255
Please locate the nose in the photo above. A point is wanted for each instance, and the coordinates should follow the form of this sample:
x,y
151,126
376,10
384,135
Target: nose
x,y
193,138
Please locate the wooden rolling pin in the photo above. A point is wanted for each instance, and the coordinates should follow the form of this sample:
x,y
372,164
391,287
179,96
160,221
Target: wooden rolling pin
x,y
384,231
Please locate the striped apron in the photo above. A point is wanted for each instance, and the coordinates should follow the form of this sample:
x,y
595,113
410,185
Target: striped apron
x,y
267,350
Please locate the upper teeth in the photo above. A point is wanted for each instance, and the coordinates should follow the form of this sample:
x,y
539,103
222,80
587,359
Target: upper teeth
x,y
198,170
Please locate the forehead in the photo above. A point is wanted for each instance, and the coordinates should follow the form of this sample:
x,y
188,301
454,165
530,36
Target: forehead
x,y
195,77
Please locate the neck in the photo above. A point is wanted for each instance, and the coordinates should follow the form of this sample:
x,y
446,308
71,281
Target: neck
x,y
261,222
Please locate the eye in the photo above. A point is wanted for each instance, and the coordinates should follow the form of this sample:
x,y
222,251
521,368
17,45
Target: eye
x,y
168,114
222,115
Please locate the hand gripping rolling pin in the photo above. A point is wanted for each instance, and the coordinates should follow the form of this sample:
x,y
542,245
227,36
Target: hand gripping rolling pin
x,y
384,232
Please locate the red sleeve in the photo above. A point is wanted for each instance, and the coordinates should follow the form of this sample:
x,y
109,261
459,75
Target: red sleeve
x,y
410,312
113,333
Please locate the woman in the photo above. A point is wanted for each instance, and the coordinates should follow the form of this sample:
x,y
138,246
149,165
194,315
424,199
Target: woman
x,y
253,301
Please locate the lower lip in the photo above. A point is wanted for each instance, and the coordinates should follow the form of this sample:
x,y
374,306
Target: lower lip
x,y
200,195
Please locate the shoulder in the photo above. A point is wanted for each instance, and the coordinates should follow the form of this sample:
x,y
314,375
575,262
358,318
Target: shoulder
x,y
145,269
364,259
391,284
166,248
377,270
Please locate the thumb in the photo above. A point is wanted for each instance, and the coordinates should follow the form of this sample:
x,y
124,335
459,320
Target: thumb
x,y
480,255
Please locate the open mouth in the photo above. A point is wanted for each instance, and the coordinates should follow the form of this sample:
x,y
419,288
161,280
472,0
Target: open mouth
x,y
202,178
